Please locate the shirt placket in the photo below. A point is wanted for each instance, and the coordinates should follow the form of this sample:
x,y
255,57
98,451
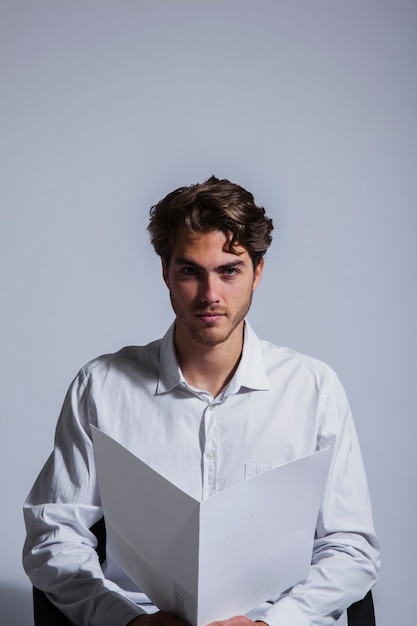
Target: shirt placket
x,y
210,453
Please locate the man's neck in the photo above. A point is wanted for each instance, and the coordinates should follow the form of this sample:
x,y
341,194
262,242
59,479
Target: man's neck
x,y
209,368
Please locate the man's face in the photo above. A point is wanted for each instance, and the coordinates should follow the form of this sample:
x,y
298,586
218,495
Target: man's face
x,y
210,289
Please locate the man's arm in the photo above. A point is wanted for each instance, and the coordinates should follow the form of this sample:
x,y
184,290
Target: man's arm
x,y
59,553
346,555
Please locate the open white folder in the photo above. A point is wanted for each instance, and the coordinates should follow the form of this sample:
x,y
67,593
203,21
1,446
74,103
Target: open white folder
x,y
212,559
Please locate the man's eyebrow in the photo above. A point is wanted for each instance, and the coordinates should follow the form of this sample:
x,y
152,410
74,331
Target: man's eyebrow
x,y
230,265
184,261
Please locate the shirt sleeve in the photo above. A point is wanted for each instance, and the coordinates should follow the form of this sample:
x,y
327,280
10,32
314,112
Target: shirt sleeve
x,y
346,554
59,553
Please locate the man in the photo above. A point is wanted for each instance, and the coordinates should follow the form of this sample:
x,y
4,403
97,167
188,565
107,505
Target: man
x,y
207,405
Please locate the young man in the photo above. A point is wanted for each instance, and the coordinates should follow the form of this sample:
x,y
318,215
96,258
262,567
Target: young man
x,y
206,405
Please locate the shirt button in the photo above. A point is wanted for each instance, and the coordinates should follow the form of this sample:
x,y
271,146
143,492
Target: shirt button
x,y
210,455
211,407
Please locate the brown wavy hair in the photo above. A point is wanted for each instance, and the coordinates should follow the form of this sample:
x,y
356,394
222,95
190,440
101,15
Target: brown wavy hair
x,y
211,205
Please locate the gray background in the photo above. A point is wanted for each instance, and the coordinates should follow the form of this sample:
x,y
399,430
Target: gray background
x,y
311,104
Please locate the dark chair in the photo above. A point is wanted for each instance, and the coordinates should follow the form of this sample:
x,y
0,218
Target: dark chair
x,y
45,613
362,613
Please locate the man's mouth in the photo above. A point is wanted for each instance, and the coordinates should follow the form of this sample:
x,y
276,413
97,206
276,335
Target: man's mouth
x,y
210,317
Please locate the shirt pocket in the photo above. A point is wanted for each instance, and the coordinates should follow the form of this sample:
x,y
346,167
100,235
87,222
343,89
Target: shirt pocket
x,y
253,469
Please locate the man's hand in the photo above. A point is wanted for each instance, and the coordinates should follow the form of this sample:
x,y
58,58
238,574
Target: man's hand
x,y
237,620
162,618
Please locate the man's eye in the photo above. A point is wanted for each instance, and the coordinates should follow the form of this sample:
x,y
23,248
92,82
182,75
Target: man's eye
x,y
189,271
230,271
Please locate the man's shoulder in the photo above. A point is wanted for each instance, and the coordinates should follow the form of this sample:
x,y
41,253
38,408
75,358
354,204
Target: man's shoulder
x,y
124,359
295,362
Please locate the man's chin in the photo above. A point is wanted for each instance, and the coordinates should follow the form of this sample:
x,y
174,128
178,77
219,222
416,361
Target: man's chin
x,y
209,336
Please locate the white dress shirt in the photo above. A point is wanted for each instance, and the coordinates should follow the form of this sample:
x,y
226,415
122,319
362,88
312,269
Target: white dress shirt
x,y
278,406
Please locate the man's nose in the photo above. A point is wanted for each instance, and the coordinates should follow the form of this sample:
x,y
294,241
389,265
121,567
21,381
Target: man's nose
x,y
209,290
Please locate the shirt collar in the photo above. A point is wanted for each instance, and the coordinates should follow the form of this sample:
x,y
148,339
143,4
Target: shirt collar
x,y
250,373
170,374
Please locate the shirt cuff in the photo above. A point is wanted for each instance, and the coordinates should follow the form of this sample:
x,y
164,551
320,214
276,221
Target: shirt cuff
x,y
113,608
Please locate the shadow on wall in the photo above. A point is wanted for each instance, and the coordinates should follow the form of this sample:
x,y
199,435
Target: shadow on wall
x,y
16,605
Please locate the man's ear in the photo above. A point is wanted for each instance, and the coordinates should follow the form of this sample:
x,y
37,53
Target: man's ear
x,y
258,274
165,272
